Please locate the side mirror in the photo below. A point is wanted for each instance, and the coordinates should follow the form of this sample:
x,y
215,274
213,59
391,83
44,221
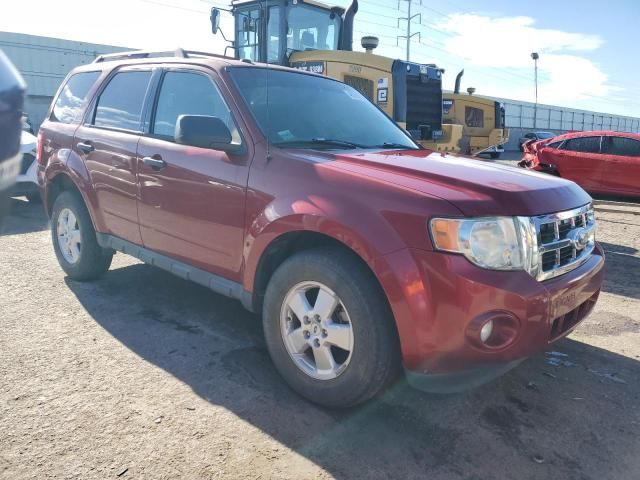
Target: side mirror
x,y
205,132
215,20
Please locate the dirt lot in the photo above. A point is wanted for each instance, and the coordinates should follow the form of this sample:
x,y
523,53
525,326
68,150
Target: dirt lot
x,y
143,375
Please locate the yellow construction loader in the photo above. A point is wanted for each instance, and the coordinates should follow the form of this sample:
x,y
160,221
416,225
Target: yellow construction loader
x,y
482,121
317,38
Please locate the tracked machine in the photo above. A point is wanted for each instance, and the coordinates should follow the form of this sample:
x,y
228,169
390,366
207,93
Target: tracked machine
x,y
314,37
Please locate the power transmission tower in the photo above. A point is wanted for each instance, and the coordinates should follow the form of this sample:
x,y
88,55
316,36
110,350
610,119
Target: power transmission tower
x,y
409,18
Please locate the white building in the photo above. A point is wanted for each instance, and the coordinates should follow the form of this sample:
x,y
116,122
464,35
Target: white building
x,y
44,62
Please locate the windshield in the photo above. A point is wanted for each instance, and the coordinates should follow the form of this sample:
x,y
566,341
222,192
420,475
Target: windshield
x,y
312,28
306,111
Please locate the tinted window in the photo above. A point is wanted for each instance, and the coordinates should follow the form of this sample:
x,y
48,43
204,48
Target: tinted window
x,y
273,35
248,33
120,104
312,28
554,145
73,97
545,135
623,146
474,117
184,93
289,111
583,145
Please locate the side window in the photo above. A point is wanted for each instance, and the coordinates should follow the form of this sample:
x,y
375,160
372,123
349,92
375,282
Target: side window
x,y
186,93
474,117
583,145
248,24
554,145
273,35
120,104
623,146
73,97
530,135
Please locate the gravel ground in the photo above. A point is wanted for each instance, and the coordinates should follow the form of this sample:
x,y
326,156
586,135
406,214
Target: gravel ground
x,y
143,375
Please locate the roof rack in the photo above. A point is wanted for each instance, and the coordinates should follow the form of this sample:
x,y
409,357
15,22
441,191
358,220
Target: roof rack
x,y
177,53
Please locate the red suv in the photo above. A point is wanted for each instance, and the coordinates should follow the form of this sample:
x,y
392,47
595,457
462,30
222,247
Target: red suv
x,y
600,162
296,195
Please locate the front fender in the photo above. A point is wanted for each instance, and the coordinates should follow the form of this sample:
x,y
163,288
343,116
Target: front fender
x,y
370,236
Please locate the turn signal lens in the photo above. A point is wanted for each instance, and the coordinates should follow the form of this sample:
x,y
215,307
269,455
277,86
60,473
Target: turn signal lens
x,y
445,234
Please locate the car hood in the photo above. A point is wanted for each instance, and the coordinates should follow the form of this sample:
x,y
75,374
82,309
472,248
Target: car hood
x,y
475,187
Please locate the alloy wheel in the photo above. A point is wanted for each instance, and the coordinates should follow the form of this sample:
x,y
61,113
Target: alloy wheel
x,y
316,330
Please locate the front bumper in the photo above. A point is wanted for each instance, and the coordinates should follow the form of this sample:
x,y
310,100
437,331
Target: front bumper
x,y
445,294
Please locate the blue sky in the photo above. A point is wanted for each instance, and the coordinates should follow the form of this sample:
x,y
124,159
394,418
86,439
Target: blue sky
x,y
587,48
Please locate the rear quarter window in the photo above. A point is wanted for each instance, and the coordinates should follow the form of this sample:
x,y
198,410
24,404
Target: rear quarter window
x,y
72,99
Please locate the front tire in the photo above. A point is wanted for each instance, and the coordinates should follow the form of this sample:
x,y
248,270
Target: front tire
x,y
74,239
329,329
495,155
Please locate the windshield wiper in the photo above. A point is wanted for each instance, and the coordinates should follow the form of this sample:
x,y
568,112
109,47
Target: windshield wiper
x,y
391,145
330,142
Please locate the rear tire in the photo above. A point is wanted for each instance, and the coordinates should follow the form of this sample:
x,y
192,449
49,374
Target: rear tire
x,y
74,239
358,334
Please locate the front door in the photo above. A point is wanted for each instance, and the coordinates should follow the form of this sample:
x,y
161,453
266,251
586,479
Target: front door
x,y
192,200
579,160
108,143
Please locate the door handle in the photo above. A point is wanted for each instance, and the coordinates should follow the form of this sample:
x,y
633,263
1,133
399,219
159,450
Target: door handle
x,y
155,163
86,147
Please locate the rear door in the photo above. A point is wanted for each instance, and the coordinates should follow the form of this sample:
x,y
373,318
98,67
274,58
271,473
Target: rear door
x,y
621,159
192,205
578,159
108,143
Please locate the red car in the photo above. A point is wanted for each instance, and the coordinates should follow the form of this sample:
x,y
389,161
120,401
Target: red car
x,y
294,194
600,162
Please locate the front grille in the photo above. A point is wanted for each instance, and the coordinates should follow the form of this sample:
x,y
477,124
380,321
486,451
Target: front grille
x,y
363,85
424,106
565,241
27,161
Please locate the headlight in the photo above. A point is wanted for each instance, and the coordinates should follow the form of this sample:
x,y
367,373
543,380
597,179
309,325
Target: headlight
x,y
496,243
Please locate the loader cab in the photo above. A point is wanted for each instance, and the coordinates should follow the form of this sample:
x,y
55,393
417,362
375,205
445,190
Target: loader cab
x,y
270,31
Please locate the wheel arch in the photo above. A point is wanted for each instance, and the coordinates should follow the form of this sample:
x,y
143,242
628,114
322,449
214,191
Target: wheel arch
x,y
275,248
63,182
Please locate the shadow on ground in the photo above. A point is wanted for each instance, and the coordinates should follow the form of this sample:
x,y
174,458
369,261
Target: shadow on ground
x,y
575,420
24,217
622,270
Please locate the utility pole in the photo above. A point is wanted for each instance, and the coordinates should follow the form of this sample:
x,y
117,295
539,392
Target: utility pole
x,y
535,58
409,18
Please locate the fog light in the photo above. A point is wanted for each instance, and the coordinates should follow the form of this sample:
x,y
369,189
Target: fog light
x,y
493,331
486,331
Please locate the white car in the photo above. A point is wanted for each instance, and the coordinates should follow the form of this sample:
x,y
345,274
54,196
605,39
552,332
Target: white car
x,y
27,180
